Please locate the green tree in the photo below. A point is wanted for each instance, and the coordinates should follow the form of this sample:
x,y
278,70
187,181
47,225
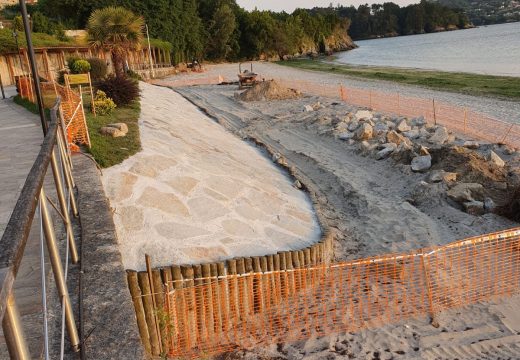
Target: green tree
x,y
115,29
221,29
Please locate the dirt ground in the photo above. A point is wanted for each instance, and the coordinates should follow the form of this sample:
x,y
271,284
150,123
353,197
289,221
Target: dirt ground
x,y
375,207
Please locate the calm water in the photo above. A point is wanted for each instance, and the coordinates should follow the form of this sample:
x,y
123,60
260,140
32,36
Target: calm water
x,y
491,50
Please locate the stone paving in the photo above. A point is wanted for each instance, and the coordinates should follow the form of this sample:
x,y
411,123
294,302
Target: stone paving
x,y
196,193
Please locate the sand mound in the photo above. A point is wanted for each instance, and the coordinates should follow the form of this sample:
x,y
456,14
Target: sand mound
x,y
269,90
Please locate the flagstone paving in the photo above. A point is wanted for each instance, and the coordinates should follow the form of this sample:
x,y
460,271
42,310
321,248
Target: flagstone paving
x,y
197,193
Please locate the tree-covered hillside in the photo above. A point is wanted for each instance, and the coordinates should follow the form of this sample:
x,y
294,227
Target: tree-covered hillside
x,y
485,12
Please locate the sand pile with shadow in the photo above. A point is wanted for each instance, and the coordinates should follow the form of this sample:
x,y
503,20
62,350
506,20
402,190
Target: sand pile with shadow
x,y
269,90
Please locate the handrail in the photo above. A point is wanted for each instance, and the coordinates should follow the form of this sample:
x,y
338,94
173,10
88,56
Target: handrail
x,y
55,156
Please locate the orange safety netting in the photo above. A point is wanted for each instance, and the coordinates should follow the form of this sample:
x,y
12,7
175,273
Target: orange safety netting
x,y
212,315
456,118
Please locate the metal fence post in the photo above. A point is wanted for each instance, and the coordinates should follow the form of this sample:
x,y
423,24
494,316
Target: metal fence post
x,y
64,208
67,172
57,270
13,331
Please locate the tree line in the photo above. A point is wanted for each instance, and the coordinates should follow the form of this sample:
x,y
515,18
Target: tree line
x,y
222,30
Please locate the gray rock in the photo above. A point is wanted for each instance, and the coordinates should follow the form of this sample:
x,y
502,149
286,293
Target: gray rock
x,y
354,124
297,184
412,134
347,135
111,131
364,115
465,192
437,176
489,205
380,128
390,124
423,133
474,207
495,159
418,121
421,163
365,132
387,150
120,126
395,137
470,144
366,148
440,136
403,126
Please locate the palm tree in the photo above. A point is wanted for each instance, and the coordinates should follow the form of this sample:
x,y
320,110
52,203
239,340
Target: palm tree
x,y
115,29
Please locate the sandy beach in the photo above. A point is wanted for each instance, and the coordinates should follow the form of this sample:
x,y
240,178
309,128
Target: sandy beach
x,y
376,206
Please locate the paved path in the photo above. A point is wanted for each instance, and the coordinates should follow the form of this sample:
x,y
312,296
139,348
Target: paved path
x,y
20,140
197,193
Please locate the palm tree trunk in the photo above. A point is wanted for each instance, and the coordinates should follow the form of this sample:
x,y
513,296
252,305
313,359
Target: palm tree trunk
x,y
117,60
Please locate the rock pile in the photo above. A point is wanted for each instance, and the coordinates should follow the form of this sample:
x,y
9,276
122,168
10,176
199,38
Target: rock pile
x,y
435,151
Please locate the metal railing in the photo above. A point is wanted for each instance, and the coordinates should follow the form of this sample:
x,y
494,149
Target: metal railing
x,y
54,152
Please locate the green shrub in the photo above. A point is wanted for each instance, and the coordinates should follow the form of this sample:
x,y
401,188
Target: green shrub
x,y
122,90
104,104
80,67
71,60
61,76
133,75
98,68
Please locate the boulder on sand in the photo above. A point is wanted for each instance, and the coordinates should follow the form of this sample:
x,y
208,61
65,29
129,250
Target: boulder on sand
x,y
421,163
365,132
465,192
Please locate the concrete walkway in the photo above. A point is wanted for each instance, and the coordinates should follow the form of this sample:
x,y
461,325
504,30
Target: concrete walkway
x,y
20,140
197,193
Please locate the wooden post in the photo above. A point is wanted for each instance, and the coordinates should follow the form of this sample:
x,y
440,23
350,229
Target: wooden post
x,y
135,292
153,293
234,306
190,306
208,300
370,95
434,114
10,68
465,119
158,289
199,304
257,288
428,291
219,299
144,284
398,105
91,94
242,289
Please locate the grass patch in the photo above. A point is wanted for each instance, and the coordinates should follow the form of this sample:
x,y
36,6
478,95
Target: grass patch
x,y
465,83
32,107
109,151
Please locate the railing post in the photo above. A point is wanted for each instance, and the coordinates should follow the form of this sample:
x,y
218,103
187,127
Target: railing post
x,y
428,290
57,270
13,331
67,172
64,208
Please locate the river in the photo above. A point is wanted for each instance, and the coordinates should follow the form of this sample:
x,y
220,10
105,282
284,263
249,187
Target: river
x,y
492,50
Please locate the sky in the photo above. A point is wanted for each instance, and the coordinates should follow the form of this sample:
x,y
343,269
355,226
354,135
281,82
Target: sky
x,y
290,5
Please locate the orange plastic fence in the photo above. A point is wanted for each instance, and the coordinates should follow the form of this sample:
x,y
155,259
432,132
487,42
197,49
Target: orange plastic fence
x,y
212,315
71,111
456,118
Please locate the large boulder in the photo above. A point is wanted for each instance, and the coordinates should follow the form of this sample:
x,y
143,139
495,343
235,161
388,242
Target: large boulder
x,y
394,137
465,192
364,132
440,136
111,131
422,163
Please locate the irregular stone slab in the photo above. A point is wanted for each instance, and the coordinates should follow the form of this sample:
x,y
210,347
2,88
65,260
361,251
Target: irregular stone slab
x,y
365,132
132,217
474,207
201,254
437,176
166,202
205,209
122,188
421,163
387,150
402,126
364,115
237,227
440,136
495,159
172,230
183,184
465,192
471,144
